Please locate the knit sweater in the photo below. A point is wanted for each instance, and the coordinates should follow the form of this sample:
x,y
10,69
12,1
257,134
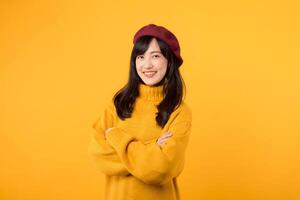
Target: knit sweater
x,y
134,165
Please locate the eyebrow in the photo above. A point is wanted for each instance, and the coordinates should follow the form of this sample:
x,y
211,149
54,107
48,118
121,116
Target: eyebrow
x,y
155,52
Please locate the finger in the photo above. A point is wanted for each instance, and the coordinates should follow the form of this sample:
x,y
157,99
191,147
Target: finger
x,y
162,140
109,129
168,134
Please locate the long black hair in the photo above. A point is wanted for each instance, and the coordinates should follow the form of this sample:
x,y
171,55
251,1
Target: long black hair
x,y
173,84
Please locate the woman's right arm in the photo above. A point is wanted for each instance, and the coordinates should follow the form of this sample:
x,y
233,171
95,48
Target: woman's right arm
x,y
102,153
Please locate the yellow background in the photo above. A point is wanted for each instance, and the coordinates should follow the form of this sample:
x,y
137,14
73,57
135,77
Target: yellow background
x,y
61,61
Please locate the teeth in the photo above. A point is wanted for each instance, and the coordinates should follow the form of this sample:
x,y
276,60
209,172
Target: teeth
x,y
149,73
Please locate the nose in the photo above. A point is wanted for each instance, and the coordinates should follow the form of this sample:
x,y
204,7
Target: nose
x,y
148,63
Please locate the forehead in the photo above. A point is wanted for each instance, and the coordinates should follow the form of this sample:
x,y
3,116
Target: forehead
x,y
153,46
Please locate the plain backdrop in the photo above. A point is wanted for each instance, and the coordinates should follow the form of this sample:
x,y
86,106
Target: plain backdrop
x,y
61,61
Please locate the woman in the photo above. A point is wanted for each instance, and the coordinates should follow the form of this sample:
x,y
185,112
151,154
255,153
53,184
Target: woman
x,y
142,134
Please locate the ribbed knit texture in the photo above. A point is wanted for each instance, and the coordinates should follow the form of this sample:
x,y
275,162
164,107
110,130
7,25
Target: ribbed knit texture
x,y
135,167
151,93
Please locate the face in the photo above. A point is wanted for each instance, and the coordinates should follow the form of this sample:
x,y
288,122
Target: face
x,y
152,65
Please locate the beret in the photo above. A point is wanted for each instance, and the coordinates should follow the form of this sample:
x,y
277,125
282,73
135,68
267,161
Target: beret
x,y
162,33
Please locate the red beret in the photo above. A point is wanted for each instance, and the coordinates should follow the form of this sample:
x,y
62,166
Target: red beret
x,y
161,33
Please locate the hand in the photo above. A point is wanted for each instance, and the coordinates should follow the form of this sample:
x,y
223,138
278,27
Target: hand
x,y
163,138
108,130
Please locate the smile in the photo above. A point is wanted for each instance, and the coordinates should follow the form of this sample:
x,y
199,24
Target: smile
x,y
150,74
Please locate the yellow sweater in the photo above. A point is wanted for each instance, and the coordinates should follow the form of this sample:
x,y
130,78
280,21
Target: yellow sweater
x,y
135,167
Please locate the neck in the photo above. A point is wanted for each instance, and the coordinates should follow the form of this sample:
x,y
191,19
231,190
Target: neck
x,y
151,93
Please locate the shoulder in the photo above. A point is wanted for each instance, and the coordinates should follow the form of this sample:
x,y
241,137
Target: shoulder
x,y
183,113
110,106
110,110
107,115
186,109
180,121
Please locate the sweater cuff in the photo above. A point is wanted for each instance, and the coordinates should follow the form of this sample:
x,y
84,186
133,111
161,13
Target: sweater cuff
x,y
118,138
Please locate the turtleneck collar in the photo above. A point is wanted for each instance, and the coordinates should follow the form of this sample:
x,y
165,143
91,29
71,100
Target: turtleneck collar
x,y
151,93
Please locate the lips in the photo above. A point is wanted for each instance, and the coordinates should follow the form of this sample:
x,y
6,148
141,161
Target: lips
x,y
149,74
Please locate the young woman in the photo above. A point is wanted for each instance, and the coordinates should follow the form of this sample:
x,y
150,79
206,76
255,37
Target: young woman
x,y
140,139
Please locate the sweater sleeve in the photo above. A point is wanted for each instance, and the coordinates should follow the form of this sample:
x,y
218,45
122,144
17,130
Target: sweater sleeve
x,y
103,154
151,163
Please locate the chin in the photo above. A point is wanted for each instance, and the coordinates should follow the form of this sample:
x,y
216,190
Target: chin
x,y
154,82
150,84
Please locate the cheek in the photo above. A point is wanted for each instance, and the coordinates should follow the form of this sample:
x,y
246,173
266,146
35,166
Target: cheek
x,y
138,69
137,66
164,71
163,64
163,67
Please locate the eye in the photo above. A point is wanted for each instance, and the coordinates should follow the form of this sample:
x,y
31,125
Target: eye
x,y
156,56
141,56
